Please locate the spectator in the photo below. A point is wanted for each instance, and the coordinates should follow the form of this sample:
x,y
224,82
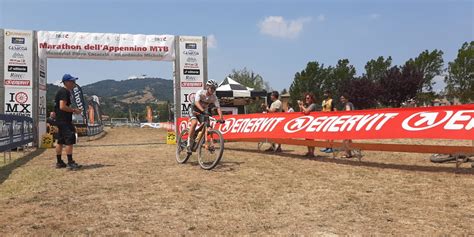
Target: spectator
x,y
275,107
290,109
306,107
51,125
328,106
347,106
66,130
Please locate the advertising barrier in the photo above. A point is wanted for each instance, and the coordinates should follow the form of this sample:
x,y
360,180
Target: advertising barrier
x,y
444,122
15,131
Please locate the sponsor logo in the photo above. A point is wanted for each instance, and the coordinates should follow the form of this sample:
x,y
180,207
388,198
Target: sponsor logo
x,y
15,75
185,109
462,119
191,52
189,97
18,55
190,78
61,36
17,68
298,124
191,71
191,60
17,62
12,107
17,82
21,97
18,40
14,33
42,74
190,45
344,123
191,84
229,124
184,124
196,40
18,48
159,39
191,65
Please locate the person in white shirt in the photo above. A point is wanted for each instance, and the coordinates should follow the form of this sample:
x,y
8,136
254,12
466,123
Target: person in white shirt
x,y
200,106
275,107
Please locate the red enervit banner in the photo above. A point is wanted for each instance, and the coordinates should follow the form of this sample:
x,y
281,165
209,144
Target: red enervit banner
x,y
443,122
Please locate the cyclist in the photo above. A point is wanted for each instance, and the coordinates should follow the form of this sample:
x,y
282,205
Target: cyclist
x,y
202,100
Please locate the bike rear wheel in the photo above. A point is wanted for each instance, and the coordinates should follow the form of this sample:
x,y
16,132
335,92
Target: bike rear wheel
x,y
211,149
181,152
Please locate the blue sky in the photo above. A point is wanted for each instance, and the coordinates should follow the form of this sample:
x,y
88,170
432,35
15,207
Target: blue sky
x,y
275,39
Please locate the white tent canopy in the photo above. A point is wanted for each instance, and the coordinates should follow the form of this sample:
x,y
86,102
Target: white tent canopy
x,y
231,88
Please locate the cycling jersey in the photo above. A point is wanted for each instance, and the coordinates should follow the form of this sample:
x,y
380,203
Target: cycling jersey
x,y
205,100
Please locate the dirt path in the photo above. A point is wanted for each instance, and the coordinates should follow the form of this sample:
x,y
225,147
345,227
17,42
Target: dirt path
x,y
139,189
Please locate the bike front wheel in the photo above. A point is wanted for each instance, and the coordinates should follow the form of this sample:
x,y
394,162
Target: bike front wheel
x,y
211,149
182,142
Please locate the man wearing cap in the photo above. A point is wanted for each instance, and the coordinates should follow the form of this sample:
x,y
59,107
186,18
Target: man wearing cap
x,y
67,132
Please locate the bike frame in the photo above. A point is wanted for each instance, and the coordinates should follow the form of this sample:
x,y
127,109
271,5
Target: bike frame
x,y
201,126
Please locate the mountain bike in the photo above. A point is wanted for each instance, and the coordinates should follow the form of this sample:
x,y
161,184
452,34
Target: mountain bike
x,y
208,142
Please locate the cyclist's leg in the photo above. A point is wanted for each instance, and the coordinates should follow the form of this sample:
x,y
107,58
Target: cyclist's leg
x,y
191,131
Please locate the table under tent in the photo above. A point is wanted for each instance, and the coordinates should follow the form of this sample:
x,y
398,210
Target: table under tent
x,y
235,97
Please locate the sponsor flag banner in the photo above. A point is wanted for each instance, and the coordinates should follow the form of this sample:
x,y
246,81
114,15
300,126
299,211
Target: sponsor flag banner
x,y
79,102
18,58
444,122
58,44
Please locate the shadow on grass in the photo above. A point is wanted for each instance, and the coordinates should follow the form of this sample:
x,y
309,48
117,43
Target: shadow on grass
x,y
6,170
93,166
222,166
355,162
122,145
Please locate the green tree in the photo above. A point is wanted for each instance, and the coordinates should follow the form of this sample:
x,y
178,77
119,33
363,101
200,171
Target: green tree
x,y
340,77
249,78
376,69
311,79
430,64
460,78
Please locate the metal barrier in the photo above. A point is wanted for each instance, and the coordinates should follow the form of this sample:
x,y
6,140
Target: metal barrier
x,y
15,131
93,130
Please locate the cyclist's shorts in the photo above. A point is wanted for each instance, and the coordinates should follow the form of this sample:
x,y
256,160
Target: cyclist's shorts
x,y
192,116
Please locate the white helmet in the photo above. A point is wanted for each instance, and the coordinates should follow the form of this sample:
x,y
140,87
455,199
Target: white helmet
x,y
211,83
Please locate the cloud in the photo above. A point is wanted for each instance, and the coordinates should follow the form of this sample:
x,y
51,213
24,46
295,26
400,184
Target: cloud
x,y
211,41
277,26
321,17
374,16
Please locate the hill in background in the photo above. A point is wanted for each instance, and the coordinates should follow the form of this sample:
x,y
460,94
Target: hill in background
x,y
118,97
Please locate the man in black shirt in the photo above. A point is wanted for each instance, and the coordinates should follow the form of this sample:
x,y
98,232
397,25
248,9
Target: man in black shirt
x,y
67,132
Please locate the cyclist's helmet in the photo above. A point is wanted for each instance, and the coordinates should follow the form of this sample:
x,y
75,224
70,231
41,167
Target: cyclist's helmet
x,y
212,83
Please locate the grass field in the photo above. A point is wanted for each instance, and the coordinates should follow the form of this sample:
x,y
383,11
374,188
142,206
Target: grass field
x,y
132,185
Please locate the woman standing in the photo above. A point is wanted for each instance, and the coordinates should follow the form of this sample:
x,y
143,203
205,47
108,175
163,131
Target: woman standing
x,y
348,106
306,107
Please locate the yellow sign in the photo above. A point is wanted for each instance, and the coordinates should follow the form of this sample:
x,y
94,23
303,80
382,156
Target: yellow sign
x,y
47,141
171,138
